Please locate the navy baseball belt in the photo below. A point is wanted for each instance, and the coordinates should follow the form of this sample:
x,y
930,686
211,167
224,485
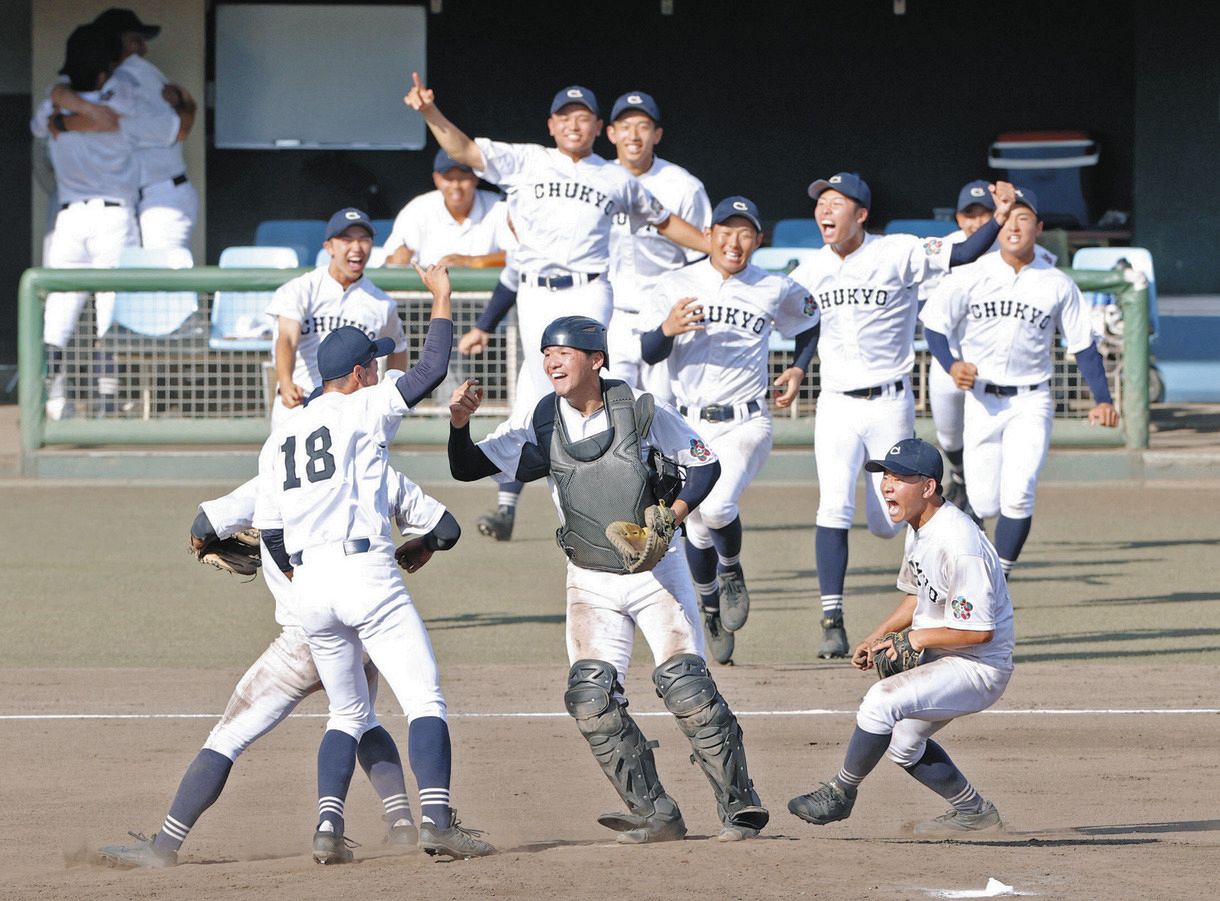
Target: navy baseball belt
x,y
1011,390
720,412
64,206
558,282
878,391
351,546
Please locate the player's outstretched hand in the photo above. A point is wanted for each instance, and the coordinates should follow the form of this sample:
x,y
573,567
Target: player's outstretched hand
x,y
465,399
1104,414
685,316
292,395
435,279
862,656
788,385
420,98
963,374
1005,197
412,555
473,342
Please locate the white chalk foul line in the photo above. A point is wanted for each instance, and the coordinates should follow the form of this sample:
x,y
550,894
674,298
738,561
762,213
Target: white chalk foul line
x,y
545,714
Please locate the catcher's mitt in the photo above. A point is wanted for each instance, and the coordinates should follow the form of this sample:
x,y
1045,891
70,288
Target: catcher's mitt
x,y
238,554
641,549
908,657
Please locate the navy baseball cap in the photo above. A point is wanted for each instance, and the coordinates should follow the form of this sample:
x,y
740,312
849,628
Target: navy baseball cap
x,y
345,217
911,457
737,206
443,162
636,100
847,183
575,94
345,347
121,21
1026,197
975,192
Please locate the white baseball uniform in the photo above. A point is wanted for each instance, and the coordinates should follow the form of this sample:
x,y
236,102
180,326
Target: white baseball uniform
x,y
603,609
562,211
955,575
98,181
868,305
722,372
321,305
168,202
638,258
1005,323
285,673
322,479
948,402
426,226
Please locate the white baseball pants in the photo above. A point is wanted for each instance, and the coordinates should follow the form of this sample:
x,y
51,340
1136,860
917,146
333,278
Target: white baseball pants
x,y
1006,443
742,446
168,213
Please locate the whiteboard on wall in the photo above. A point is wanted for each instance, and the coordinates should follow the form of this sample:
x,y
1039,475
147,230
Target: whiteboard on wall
x,y
290,76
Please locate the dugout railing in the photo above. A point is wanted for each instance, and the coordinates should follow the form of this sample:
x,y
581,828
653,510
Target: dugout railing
x,y
183,387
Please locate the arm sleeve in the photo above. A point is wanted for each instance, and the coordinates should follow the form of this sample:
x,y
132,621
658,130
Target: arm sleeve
x,y
642,208
202,528
796,311
699,483
976,245
234,511
938,344
502,162
1091,366
415,513
273,540
973,583
444,535
806,347
655,345
38,124
467,462
432,366
502,300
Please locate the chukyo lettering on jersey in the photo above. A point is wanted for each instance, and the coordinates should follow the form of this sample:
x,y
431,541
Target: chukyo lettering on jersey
x,y
734,316
319,324
839,297
572,190
923,582
1015,309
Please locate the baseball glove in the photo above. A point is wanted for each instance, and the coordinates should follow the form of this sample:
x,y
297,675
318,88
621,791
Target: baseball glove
x,y
908,657
238,554
641,549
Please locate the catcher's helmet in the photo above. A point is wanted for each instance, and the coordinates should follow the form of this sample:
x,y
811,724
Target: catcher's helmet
x,y
580,332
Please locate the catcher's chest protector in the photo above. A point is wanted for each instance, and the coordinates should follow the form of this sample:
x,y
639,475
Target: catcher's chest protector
x,y
600,479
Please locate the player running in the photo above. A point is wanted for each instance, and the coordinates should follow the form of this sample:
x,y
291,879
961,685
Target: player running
x,y
713,323
959,615
865,288
1004,312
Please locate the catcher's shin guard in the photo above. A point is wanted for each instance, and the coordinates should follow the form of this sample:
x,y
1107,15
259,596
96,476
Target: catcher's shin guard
x,y
703,715
619,746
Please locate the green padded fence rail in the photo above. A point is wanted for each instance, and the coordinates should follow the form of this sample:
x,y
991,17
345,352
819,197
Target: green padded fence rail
x,y
1131,292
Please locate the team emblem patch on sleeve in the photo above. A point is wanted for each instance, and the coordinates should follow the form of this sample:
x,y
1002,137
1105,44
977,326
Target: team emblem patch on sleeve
x,y
810,306
932,246
961,607
699,450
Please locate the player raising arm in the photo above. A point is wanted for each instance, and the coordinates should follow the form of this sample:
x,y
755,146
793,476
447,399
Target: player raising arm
x,y
955,621
1004,311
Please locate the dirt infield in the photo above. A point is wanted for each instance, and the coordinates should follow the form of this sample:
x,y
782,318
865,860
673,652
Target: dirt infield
x,y
1100,756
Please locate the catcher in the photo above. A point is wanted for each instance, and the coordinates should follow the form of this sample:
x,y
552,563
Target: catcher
x,y
611,456
946,650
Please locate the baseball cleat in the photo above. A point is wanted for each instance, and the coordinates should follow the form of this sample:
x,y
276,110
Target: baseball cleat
x,y
734,600
745,822
331,847
956,823
142,854
834,638
633,829
498,524
822,805
458,841
719,639
403,836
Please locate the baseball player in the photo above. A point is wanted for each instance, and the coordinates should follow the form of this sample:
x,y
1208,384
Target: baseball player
x,y
711,322
168,204
98,181
562,202
865,288
324,512
279,680
957,615
456,224
948,402
310,306
1003,312
590,437
638,258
